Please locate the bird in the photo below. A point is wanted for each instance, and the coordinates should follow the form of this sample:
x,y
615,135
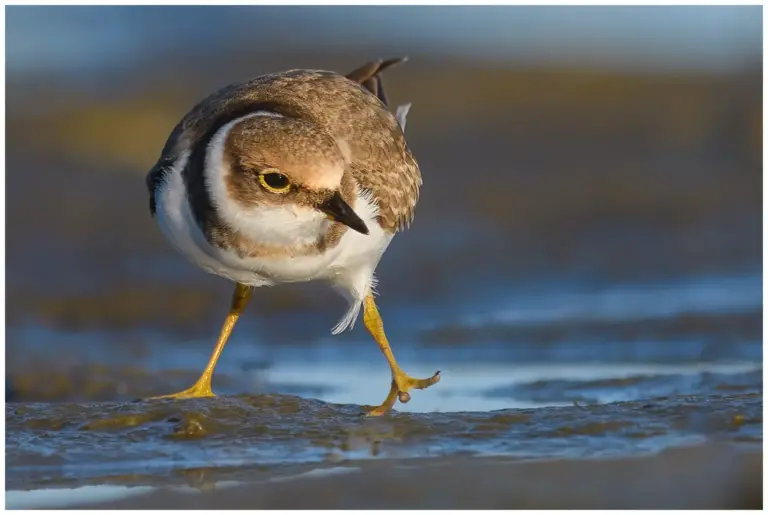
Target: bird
x,y
295,176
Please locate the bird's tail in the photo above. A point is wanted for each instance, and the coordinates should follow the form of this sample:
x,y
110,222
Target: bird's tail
x,y
368,76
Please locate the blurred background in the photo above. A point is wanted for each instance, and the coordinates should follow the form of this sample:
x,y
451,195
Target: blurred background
x,y
589,228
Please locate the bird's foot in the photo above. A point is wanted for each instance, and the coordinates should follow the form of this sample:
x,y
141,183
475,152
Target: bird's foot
x,y
401,384
197,391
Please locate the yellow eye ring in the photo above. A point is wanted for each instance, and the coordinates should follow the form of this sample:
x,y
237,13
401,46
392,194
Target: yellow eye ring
x,y
274,181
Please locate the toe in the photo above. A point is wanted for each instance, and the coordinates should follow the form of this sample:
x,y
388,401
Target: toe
x,y
192,393
420,384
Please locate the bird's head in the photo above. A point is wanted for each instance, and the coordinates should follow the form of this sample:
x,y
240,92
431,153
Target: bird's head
x,y
269,174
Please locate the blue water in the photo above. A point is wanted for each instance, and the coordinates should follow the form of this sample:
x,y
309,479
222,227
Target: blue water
x,y
628,302
350,368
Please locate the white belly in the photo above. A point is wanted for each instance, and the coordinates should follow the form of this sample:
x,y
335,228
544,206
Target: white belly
x,y
349,266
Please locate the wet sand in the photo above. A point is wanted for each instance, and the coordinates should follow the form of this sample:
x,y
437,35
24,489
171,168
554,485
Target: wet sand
x,y
701,477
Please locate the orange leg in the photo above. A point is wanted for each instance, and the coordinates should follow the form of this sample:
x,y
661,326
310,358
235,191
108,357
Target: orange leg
x,y
401,382
202,388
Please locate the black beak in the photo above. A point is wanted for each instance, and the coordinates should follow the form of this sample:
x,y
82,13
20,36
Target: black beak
x,y
339,211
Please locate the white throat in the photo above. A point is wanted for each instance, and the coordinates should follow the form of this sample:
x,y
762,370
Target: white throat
x,y
280,226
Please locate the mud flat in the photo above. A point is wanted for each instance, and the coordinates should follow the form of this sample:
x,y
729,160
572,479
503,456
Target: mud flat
x,y
281,451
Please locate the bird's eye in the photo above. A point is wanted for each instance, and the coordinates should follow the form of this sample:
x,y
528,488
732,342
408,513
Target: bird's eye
x,y
275,182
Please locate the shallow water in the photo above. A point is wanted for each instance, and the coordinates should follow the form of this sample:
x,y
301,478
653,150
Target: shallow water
x,y
581,395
